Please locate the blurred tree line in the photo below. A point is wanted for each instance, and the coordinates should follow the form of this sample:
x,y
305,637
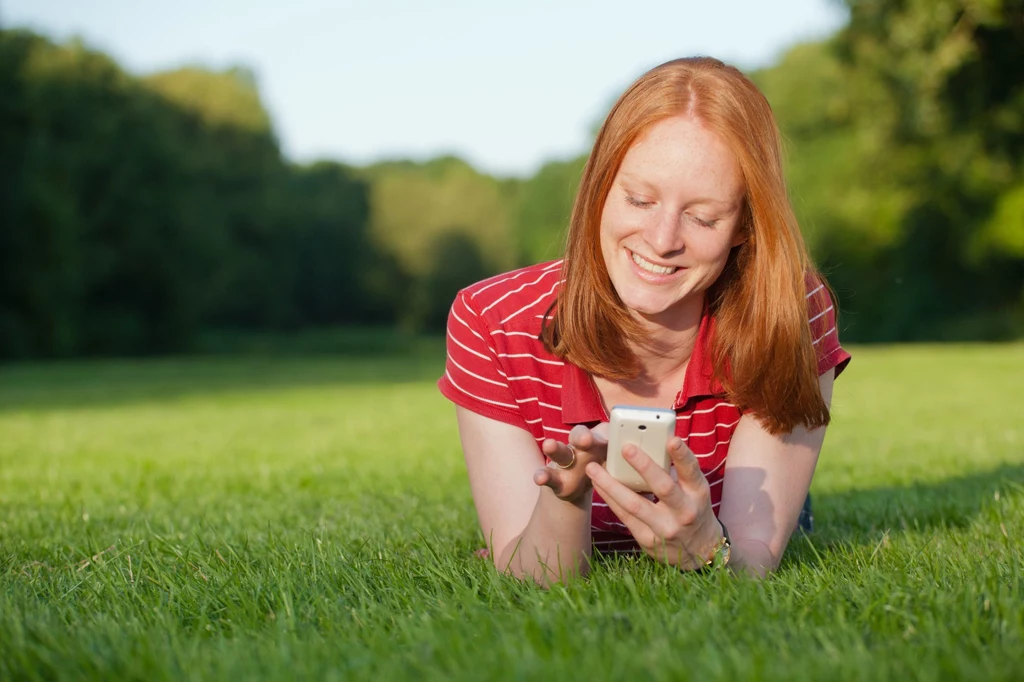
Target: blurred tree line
x,y
136,212
906,134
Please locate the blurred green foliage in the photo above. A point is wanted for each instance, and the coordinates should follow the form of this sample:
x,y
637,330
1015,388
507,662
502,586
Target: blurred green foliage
x,y
906,135
136,213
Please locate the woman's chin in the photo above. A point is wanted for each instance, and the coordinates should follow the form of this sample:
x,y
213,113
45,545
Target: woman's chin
x,y
656,309
649,309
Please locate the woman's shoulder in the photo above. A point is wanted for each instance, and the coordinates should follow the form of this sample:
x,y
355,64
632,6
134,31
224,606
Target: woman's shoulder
x,y
515,295
821,315
496,361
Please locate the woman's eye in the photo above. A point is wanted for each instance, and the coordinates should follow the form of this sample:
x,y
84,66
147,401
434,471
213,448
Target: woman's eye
x,y
704,223
633,201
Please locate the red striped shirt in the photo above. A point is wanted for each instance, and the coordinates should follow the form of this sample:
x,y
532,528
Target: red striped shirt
x,y
498,368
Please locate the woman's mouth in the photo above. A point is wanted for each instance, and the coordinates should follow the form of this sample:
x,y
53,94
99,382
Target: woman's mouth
x,y
652,267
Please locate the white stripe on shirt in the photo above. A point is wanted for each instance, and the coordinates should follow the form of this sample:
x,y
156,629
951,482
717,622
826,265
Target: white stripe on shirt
x,y
704,411
467,348
823,312
477,376
713,450
476,397
717,426
516,291
528,378
557,363
822,337
617,523
506,333
466,325
719,466
511,277
542,404
530,305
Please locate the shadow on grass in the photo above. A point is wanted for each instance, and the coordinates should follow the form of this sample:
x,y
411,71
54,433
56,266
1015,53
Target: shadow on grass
x,y
862,517
100,383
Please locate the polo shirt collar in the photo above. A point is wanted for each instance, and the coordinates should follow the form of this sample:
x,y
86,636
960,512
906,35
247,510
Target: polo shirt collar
x,y
700,373
581,403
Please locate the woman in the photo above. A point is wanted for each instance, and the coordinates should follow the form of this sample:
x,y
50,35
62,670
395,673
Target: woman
x,y
685,284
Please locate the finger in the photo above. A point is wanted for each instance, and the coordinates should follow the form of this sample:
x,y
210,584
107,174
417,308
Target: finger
x,y
558,452
687,467
658,480
653,541
631,503
549,477
641,532
590,442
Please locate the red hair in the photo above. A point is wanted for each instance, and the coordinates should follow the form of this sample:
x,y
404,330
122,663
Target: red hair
x,y
761,346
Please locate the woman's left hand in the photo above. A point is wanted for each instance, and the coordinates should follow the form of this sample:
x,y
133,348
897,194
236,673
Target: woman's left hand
x,y
681,528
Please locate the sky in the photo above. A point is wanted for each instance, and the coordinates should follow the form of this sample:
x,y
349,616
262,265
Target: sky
x,y
506,86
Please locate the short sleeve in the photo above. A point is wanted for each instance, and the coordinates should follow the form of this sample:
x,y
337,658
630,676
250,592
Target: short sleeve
x,y
473,378
821,315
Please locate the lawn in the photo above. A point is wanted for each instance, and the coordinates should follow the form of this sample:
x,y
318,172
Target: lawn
x,y
309,518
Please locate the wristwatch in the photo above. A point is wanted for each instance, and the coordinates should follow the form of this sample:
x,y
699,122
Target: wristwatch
x,y
722,552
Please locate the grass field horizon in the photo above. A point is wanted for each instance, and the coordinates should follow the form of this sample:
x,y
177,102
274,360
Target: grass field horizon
x,y
264,517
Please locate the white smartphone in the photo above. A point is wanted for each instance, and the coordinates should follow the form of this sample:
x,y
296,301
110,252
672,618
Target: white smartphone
x,y
649,428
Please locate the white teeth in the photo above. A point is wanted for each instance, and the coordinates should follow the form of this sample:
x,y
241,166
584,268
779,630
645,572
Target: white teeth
x,y
651,267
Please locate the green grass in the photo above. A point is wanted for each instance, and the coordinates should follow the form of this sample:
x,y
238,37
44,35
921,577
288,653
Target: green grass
x,y
253,518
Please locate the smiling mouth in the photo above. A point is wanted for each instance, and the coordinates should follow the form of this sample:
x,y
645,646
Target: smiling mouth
x,y
651,267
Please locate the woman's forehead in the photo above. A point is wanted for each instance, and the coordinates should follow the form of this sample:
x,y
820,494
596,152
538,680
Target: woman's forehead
x,y
679,154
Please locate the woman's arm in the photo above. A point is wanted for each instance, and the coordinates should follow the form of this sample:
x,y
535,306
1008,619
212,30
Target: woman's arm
x,y
766,481
531,531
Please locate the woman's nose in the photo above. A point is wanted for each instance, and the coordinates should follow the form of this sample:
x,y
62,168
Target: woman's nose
x,y
665,234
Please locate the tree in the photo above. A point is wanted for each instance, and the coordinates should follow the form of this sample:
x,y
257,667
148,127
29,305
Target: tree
x,y
543,208
100,254
934,83
905,145
412,204
454,261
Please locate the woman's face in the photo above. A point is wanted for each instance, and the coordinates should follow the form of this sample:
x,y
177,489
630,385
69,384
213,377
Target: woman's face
x,y
671,217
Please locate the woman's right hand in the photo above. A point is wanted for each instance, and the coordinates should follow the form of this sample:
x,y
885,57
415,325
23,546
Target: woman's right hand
x,y
572,483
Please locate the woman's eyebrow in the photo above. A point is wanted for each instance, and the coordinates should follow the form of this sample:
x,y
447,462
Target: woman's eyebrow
x,y
633,180
726,206
723,204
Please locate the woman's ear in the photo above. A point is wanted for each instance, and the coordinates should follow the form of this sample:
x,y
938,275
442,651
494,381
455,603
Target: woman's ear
x,y
742,234
743,229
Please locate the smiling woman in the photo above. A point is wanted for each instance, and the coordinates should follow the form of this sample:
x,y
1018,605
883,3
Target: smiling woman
x,y
671,218
685,285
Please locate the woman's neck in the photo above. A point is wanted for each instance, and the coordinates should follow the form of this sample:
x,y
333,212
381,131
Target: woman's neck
x,y
663,355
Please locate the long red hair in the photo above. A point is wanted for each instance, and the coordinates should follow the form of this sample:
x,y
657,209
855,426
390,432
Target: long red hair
x,y
761,347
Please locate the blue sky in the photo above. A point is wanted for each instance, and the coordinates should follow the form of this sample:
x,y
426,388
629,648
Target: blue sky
x,y
506,86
